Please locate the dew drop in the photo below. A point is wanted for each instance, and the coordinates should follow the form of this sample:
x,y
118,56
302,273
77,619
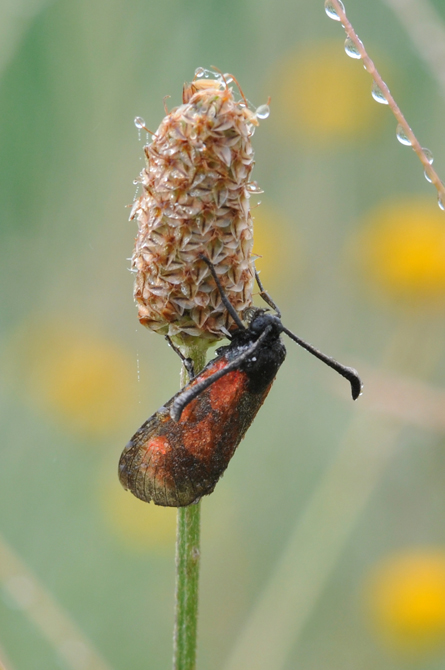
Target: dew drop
x,y
331,10
262,112
202,72
378,94
430,158
253,187
351,49
228,77
402,136
429,155
440,203
139,122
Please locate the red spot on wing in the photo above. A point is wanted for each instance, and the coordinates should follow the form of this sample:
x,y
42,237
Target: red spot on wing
x,y
158,447
227,391
198,439
188,412
211,427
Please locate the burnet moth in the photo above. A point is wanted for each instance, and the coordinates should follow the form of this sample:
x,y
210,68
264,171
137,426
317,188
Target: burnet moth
x,y
178,455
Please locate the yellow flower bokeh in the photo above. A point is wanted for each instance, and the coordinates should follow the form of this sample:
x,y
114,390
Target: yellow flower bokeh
x,y
401,249
277,259
320,92
139,525
86,382
406,599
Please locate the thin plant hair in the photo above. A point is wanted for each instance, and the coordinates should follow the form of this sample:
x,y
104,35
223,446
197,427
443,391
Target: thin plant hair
x,y
430,172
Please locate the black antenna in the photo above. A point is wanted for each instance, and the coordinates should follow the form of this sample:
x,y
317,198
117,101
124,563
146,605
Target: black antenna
x,y
183,399
265,296
227,304
349,373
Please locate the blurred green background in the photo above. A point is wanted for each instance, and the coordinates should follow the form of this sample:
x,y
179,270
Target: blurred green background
x,y
324,544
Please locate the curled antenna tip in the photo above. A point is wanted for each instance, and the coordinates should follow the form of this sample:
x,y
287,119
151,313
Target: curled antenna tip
x,y
355,381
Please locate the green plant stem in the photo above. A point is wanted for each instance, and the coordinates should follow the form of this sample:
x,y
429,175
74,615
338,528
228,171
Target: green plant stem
x,y
187,563
187,578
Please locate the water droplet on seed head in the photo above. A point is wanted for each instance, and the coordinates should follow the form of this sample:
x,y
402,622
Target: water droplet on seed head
x,y
139,122
262,112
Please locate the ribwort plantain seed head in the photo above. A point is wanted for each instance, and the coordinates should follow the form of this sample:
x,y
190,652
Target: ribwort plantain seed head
x,y
195,200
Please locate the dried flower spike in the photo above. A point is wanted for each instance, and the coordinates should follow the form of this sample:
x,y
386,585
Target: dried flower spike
x,y
195,200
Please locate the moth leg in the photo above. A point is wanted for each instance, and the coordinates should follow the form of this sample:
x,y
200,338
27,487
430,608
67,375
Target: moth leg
x,y
187,362
265,296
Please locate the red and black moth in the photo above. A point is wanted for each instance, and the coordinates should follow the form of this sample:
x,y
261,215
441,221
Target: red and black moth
x,y
179,454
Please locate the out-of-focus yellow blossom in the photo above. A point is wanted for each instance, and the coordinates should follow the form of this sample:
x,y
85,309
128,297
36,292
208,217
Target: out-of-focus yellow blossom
x,y
87,382
401,249
321,93
140,526
406,598
277,261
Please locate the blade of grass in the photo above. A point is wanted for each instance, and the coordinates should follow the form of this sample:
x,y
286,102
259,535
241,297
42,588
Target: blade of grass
x,y
426,29
314,546
22,588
